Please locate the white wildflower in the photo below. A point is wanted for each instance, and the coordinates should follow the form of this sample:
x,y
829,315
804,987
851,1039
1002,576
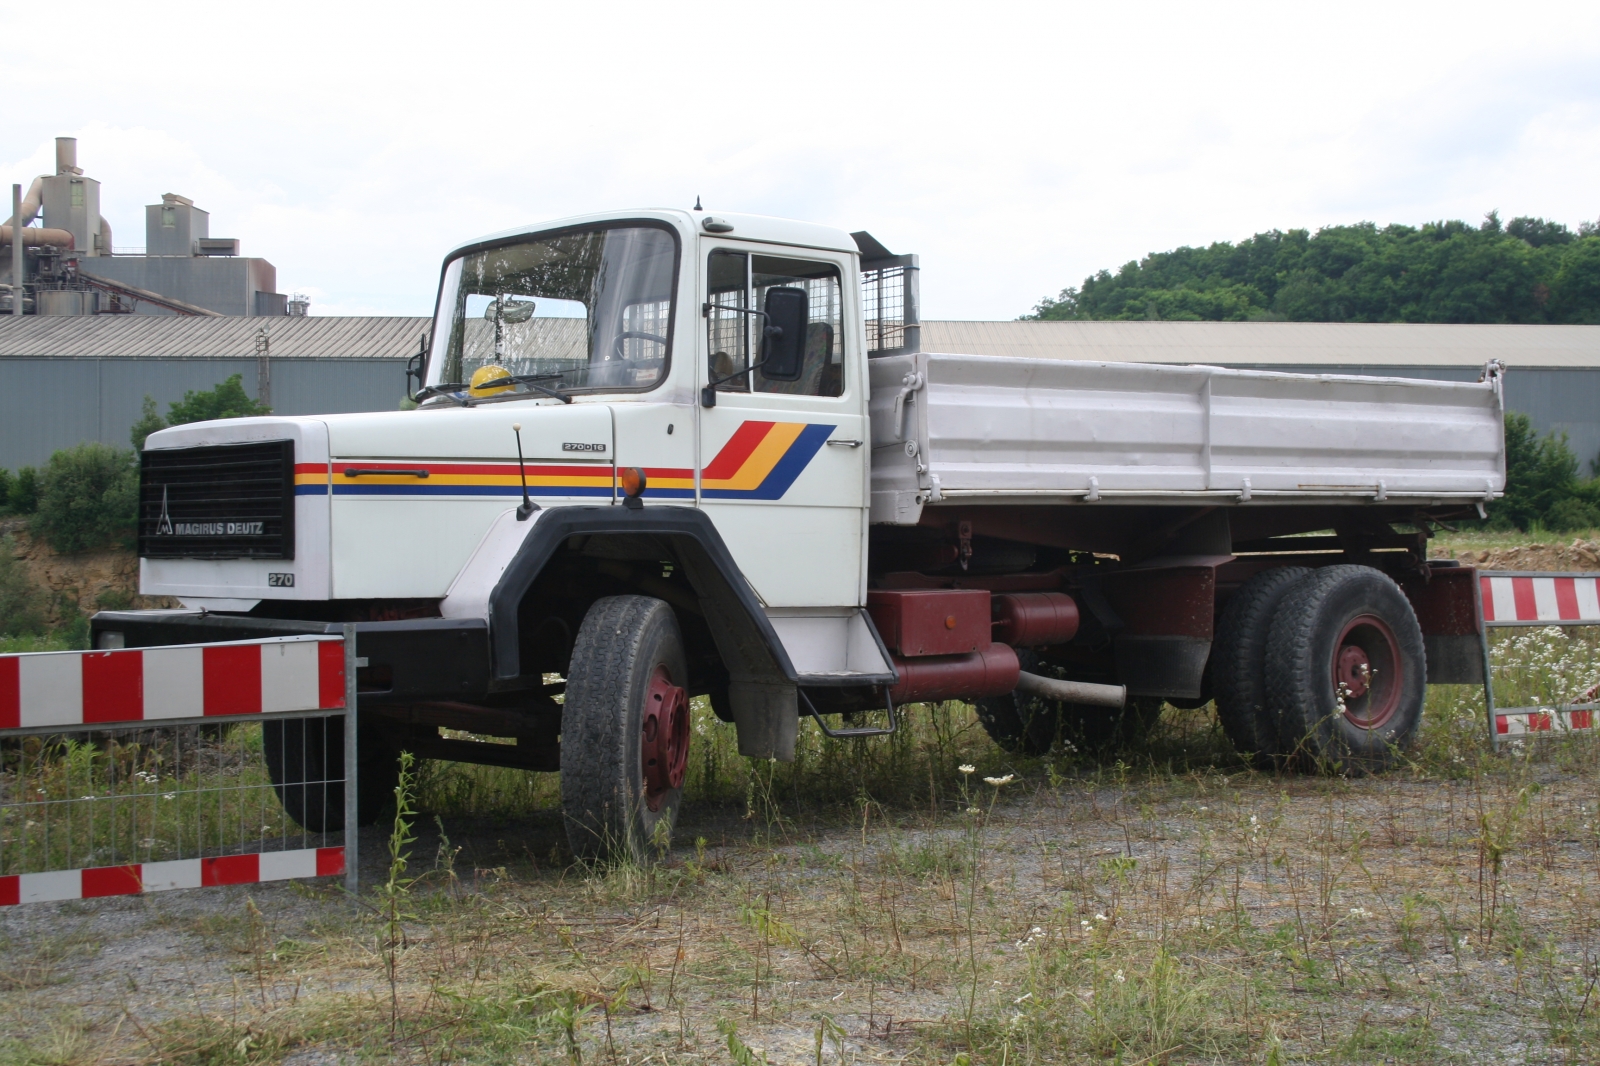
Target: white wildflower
x,y
1100,918
998,781
1120,979
967,768
1360,912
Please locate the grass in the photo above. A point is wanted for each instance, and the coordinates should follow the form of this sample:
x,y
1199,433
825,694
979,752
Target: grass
x,y
871,902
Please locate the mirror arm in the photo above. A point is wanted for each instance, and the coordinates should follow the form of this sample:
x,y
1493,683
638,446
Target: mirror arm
x,y
708,392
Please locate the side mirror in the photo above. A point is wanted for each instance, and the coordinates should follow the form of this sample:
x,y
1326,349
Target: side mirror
x,y
783,341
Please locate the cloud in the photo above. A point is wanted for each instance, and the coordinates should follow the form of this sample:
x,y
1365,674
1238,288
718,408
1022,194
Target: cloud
x,y
1016,147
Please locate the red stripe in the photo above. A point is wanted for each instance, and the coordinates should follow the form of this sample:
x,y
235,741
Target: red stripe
x,y
311,468
113,686
664,472
1540,723
10,891
1486,595
10,693
1582,719
330,861
1566,598
112,881
233,679
330,674
733,454
1502,723
484,469
230,870
1522,592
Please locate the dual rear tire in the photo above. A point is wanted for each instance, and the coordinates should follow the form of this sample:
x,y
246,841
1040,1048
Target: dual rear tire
x,y
1322,668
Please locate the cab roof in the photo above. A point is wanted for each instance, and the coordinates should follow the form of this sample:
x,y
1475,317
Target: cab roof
x,y
745,227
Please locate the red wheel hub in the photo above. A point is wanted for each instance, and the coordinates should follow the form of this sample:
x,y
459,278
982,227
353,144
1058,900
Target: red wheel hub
x,y
1367,673
664,738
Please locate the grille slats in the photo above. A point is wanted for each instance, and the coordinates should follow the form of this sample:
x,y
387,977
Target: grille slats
x,y
225,501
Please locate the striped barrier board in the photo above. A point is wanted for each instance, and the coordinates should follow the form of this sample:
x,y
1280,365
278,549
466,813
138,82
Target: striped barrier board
x,y
82,688
1513,599
1520,598
1523,721
136,878
177,685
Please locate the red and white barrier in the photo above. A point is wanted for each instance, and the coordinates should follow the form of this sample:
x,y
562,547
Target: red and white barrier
x,y
78,688
1529,599
1541,720
137,878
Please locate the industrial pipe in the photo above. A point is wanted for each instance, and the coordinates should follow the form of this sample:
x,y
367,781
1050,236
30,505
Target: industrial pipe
x,y
105,236
31,201
38,236
1033,619
1072,691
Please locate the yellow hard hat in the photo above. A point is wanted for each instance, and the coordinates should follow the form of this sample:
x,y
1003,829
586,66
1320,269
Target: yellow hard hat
x,y
488,373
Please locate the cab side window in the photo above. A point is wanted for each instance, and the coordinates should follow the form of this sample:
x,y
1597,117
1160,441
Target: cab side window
x,y
738,283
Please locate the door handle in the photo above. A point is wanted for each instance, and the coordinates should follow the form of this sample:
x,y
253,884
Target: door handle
x,y
845,443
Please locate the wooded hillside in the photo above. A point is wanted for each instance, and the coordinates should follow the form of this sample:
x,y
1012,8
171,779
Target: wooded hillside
x,y
1528,270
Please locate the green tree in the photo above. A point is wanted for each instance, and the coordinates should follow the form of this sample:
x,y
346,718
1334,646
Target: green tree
x,y
22,497
5,490
1541,473
227,400
88,498
1529,270
150,421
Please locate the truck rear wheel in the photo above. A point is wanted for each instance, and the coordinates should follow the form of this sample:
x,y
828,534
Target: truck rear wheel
x,y
624,730
305,762
1347,669
1239,665
1028,724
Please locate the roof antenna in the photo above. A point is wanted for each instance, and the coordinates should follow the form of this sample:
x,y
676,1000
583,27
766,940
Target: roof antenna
x,y
697,206
528,506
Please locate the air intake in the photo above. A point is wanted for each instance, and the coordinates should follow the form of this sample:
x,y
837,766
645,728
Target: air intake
x,y
226,501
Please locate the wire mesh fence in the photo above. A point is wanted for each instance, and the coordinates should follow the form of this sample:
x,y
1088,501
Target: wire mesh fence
x,y
135,770
139,795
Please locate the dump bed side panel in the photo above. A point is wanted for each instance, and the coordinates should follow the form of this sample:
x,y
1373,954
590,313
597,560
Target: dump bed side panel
x,y
949,427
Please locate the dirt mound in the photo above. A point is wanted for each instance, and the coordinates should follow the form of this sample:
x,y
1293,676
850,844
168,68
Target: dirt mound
x,y
90,580
1579,555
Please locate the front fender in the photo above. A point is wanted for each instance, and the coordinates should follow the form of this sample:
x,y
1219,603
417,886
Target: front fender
x,y
762,679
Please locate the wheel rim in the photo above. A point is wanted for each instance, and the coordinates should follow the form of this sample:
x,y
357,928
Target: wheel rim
x,y
1367,674
664,737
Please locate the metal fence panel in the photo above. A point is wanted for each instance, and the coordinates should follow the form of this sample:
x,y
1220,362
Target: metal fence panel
x,y
140,770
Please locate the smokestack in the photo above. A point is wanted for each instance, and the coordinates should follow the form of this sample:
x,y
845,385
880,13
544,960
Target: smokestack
x,y
67,155
16,249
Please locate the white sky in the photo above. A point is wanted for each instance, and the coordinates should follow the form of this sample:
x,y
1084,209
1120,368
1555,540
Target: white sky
x,y
1016,147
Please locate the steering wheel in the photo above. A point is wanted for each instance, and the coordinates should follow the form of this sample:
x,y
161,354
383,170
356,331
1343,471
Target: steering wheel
x,y
627,334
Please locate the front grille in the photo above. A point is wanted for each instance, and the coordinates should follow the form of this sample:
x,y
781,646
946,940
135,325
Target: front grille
x,y
223,501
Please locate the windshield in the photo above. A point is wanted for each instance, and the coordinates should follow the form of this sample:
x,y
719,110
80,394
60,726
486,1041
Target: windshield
x,y
579,310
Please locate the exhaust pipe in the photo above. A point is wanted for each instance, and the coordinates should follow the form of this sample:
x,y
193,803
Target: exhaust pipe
x,y
1073,691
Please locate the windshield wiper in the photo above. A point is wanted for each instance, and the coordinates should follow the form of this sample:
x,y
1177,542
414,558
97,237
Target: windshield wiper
x,y
530,380
444,388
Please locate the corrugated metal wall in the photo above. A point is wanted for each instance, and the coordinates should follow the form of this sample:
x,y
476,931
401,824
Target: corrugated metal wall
x,y
49,404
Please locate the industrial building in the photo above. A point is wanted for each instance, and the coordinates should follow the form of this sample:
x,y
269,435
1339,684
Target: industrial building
x,y
65,380
70,266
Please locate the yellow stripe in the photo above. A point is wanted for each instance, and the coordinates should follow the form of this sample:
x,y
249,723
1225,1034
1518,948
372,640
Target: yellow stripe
x,y
763,459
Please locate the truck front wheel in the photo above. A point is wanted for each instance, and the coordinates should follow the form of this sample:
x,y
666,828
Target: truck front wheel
x,y
1347,669
624,730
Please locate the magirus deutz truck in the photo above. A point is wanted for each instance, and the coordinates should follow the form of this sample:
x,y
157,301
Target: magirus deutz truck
x,y
664,454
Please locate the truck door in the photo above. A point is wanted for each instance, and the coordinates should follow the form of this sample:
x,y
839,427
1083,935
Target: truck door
x,y
782,465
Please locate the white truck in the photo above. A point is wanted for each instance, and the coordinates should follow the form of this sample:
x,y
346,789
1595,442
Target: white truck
x,y
662,454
